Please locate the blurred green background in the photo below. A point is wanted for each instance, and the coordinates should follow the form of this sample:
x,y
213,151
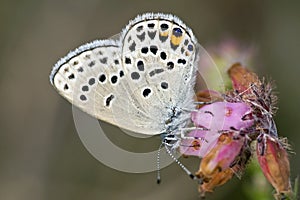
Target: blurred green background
x,y
41,154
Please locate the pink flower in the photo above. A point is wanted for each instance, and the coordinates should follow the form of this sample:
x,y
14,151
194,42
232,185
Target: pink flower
x,y
222,116
221,156
202,143
192,147
217,117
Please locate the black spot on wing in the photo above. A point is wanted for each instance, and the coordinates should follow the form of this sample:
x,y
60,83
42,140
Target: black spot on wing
x,y
103,60
152,34
121,73
155,71
80,69
141,37
127,60
140,65
132,46
164,27
181,61
102,78
114,79
92,81
92,63
153,49
135,75
163,55
144,50
139,28
146,92
151,25
164,85
66,87
170,65
85,88
71,76
83,97
108,100
177,32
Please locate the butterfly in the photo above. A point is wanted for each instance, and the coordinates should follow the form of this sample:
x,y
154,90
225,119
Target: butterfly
x,y
141,81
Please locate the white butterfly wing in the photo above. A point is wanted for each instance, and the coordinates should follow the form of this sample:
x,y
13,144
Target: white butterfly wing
x,y
84,77
159,55
117,82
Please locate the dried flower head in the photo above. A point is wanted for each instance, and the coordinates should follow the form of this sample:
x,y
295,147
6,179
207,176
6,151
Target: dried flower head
x,y
216,180
221,156
274,162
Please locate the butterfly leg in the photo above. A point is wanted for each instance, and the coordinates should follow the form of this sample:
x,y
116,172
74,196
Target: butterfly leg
x,y
184,130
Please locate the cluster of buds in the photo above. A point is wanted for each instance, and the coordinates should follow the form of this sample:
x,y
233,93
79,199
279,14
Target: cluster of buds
x,y
226,128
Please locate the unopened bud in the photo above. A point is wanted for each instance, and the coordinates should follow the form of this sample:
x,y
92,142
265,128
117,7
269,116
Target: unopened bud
x,y
274,162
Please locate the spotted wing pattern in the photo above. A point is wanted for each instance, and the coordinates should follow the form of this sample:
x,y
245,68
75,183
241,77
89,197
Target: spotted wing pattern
x,y
136,81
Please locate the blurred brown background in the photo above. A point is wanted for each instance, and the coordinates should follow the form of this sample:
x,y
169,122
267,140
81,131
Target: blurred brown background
x,y
41,154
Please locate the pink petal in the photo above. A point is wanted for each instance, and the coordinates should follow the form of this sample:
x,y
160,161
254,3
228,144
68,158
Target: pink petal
x,y
198,147
222,116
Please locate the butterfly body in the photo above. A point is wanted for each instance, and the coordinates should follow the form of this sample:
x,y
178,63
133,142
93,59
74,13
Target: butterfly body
x,y
142,81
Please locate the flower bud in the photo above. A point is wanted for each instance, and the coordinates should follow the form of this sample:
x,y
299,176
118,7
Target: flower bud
x,y
274,162
242,78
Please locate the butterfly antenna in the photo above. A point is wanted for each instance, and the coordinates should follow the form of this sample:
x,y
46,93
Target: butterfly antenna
x,y
180,164
158,179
